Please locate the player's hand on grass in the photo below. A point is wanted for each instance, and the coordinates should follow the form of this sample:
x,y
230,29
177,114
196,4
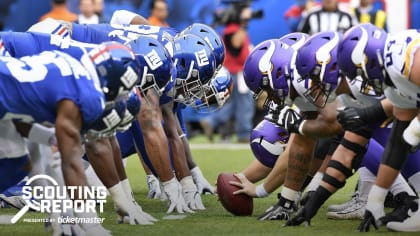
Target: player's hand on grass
x,y
373,214
128,213
96,229
144,214
367,221
299,218
154,187
191,195
282,210
173,190
246,186
203,186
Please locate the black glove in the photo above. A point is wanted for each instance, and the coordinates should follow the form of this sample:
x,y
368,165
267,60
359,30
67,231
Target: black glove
x,y
349,118
306,197
287,118
300,217
368,220
280,211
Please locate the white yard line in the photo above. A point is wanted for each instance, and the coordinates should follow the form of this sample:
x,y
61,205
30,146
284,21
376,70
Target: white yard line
x,y
215,146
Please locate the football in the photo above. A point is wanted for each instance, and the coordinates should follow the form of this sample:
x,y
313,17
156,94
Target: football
x,y
239,205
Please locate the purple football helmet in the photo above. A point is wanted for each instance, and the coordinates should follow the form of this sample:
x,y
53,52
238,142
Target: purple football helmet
x,y
361,54
268,142
316,63
295,40
268,69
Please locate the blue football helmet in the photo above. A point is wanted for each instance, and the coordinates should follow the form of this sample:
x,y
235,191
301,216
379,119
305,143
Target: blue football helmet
x,y
157,64
106,124
117,68
133,105
211,37
218,91
195,65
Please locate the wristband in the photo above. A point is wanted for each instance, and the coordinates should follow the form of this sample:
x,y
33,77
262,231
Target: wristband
x,y
260,191
412,133
41,134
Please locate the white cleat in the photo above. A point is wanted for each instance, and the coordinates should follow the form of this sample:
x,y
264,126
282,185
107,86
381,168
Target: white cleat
x,y
355,211
411,224
345,205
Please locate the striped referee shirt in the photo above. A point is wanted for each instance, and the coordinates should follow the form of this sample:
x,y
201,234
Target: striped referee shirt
x,y
320,20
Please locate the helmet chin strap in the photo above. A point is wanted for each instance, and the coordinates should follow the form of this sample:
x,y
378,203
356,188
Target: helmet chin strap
x,y
322,73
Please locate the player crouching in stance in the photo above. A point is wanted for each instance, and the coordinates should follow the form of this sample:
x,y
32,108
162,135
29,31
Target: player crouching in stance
x,y
58,89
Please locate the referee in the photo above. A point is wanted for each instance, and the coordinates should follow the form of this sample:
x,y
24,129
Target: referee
x,y
326,18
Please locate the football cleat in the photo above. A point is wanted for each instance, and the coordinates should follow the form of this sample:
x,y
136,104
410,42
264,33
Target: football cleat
x,y
345,205
355,211
404,204
411,224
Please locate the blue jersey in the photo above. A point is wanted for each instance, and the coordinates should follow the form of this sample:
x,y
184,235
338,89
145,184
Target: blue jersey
x,y
98,33
19,44
32,86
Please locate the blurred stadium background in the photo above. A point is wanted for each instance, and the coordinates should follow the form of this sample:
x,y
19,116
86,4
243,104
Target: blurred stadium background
x,y
18,15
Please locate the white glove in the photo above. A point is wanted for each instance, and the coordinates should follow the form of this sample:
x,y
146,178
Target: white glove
x,y
62,229
173,190
203,186
144,214
125,207
129,213
154,187
191,195
97,230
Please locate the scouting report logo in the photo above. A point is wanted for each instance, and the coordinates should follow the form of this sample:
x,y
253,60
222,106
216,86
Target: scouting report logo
x,y
58,199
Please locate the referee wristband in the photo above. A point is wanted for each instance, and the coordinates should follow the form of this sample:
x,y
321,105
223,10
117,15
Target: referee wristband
x,y
260,191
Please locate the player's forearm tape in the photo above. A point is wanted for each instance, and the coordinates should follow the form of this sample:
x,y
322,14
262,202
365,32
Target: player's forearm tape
x,y
396,150
42,135
260,191
412,133
373,113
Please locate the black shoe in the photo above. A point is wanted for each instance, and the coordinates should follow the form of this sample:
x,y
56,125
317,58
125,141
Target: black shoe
x,y
403,202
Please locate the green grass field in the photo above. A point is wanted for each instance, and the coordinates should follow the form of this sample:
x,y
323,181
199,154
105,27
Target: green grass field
x,y
215,220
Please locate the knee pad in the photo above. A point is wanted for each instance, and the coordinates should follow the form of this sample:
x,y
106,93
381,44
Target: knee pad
x,y
342,169
356,148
